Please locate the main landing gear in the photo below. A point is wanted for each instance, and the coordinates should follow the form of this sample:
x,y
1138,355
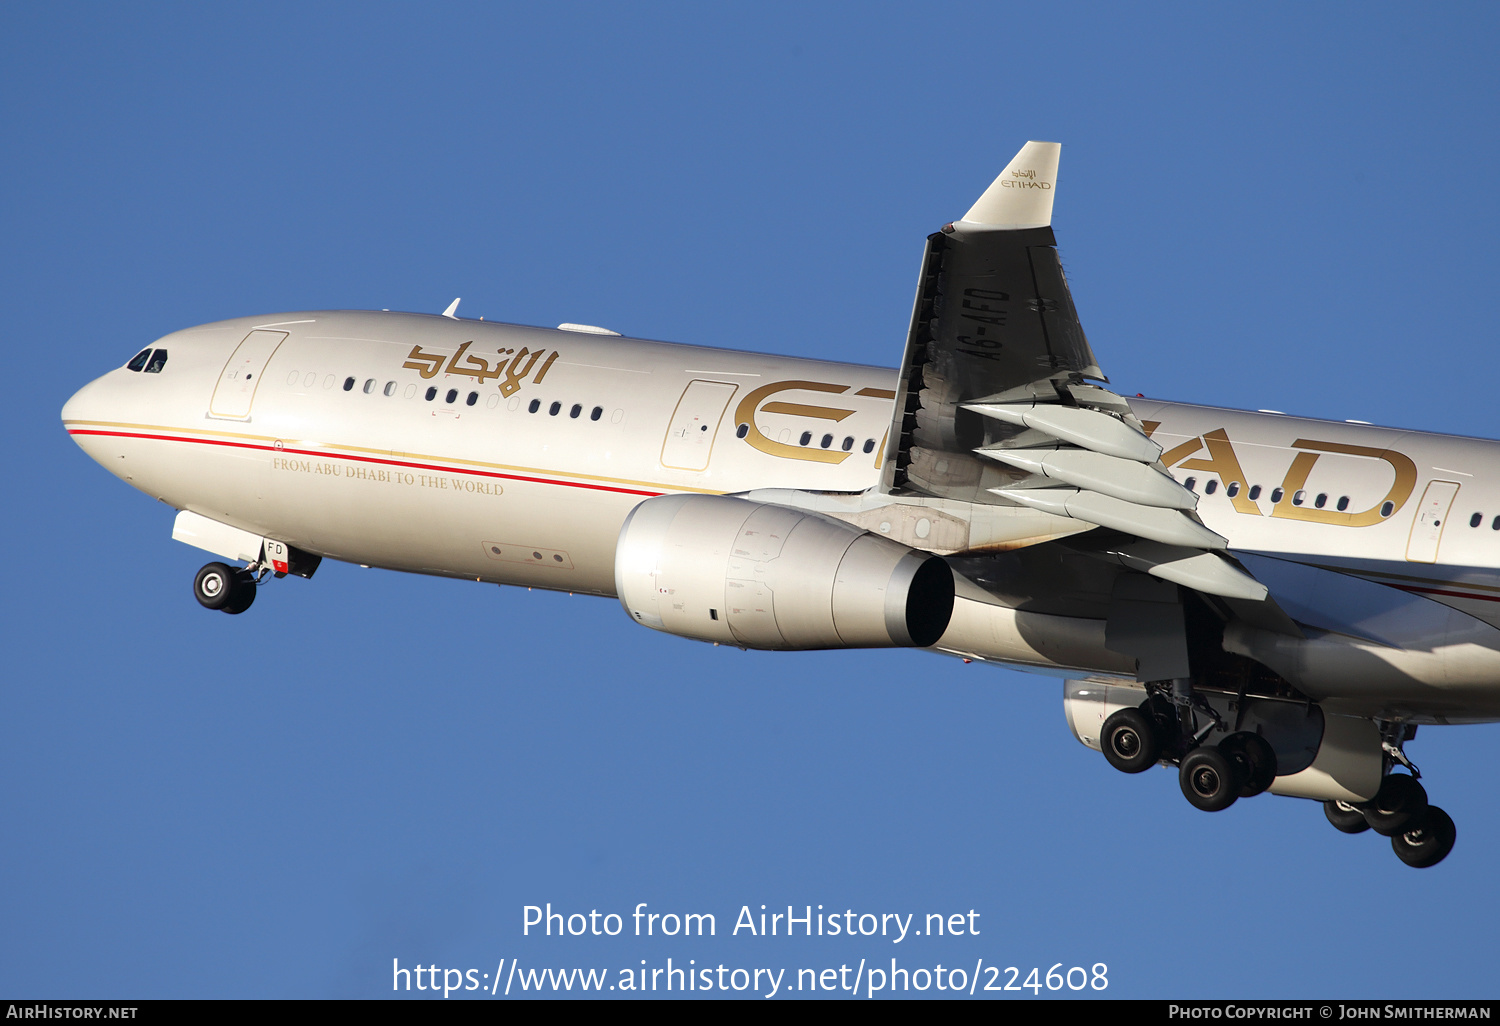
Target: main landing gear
x,y
1165,729
1421,834
222,587
1212,777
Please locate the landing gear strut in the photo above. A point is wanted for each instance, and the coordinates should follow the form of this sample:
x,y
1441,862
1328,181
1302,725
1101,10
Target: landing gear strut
x,y
222,587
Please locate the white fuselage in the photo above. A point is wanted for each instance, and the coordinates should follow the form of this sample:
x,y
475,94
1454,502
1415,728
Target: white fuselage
x,y
528,482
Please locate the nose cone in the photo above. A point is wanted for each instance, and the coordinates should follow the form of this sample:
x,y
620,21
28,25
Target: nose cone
x,y
83,405
87,417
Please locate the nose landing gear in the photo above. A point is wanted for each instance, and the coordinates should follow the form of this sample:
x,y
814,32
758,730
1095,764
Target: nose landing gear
x,y
222,587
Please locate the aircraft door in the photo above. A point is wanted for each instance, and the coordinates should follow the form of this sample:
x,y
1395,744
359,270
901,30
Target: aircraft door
x,y
695,423
1432,515
242,373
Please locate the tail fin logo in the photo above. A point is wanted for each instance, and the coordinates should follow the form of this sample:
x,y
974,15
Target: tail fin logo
x,y
1025,179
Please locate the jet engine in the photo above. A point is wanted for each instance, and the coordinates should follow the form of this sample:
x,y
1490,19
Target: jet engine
x,y
762,576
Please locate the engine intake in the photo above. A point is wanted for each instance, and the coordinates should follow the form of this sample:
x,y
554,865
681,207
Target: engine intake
x,y
756,575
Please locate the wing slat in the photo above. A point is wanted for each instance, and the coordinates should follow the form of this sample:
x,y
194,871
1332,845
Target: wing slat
x,y
997,367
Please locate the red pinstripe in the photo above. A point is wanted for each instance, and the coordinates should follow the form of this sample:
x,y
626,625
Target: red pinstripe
x,y
364,459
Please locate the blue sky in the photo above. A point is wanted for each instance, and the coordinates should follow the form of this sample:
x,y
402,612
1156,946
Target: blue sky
x,y
1284,206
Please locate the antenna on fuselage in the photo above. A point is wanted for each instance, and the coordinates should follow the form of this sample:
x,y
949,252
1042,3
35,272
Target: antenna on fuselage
x,y
450,313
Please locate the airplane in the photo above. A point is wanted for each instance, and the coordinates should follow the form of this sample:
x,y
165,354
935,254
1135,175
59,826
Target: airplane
x,y
1265,603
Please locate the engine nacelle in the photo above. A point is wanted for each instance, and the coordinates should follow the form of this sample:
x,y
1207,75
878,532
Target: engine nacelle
x,y
756,575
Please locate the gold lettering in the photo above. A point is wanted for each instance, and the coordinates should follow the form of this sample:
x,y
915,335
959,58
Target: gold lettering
x,y
545,368
474,366
1404,483
748,407
1186,449
1223,462
427,364
517,374
798,410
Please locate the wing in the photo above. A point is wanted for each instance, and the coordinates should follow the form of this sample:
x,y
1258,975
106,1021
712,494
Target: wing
x,y
997,402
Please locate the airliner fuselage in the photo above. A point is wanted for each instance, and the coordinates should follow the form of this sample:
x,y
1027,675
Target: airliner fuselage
x,y
1306,591
334,439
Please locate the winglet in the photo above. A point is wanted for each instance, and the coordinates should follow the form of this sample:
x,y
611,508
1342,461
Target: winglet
x,y
452,312
1022,196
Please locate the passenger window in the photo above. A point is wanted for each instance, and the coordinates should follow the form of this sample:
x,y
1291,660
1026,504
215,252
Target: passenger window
x,y
157,362
452,395
1210,486
848,443
536,404
1387,508
390,388
869,445
348,384
1232,489
1276,494
1476,520
554,409
1254,492
369,386
1494,524
575,411
138,360
1321,500
1299,498
596,413
1191,484
742,431
1343,503
827,441
806,437
431,394
473,398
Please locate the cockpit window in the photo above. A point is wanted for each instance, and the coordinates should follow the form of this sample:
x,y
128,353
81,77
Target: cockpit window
x,y
138,360
157,362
